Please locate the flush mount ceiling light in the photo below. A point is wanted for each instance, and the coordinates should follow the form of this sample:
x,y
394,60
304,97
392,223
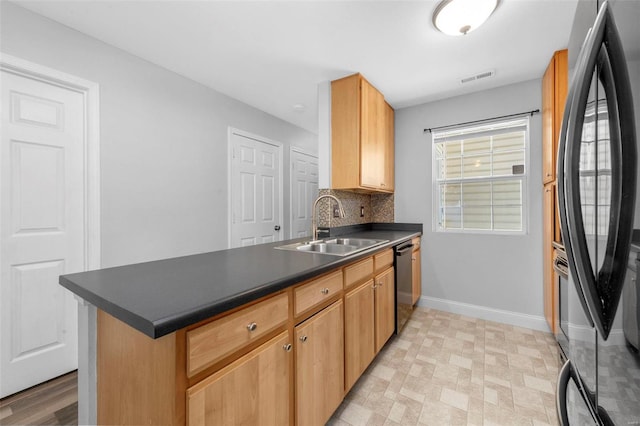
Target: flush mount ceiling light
x,y
460,17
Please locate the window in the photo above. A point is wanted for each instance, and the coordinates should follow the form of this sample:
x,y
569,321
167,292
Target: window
x,y
480,177
595,170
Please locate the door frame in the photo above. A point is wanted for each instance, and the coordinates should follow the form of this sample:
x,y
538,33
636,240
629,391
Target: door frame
x,y
234,131
90,92
293,149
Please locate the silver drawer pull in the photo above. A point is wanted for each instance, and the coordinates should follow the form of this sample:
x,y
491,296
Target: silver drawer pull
x,y
303,338
252,326
374,285
324,291
287,347
380,283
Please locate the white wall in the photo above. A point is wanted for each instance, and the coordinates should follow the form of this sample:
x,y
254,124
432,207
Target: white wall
x,y
491,276
163,142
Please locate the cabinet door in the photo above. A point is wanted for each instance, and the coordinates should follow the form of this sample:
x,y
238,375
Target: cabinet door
x,y
560,89
548,224
254,390
372,144
554,96
359,317
319,366
416,274
385,309
548,115
389,157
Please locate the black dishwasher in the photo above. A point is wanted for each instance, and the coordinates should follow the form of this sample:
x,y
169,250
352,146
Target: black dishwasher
x,y
404,279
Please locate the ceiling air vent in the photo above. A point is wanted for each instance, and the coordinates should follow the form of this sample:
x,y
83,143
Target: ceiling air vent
x,y
485,74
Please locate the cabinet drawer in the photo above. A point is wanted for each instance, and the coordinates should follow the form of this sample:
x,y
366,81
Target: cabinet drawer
x,y
416,243
358,272
222,337
317,291
383,260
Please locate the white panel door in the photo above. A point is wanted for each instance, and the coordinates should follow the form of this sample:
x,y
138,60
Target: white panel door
x,y
41,229
304,191
256,191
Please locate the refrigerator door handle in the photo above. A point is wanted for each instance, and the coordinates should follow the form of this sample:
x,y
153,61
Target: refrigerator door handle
x,y
568,373
561,392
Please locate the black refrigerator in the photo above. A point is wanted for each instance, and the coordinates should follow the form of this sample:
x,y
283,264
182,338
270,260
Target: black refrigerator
x,y
598,208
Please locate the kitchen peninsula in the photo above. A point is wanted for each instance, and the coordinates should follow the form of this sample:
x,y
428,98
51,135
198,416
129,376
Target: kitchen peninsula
x,y
240,334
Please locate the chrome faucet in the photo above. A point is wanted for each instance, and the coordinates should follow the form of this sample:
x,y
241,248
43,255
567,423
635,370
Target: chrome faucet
x,y
314,224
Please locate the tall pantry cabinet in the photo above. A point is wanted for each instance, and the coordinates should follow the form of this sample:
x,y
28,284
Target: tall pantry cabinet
x,y
554,95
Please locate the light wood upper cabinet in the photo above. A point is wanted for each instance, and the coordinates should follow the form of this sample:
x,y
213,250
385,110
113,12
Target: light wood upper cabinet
x,y
385,307
254,390
359,333
389,153
319,365
554,95
362,148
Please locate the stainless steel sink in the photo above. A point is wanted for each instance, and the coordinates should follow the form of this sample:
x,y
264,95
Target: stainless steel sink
x,y
334,246
357,242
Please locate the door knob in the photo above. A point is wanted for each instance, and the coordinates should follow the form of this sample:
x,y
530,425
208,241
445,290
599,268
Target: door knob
x,y
276,228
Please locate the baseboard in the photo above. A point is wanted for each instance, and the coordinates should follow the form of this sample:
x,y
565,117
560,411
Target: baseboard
x,y
583,333
482,312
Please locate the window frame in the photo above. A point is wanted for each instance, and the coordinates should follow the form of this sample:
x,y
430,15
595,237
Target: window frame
x,y
524,178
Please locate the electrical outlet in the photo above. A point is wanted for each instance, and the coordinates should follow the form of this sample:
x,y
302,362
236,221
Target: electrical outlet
x,y
361,211
336,210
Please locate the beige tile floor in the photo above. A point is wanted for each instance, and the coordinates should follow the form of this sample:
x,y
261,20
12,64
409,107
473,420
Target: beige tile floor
x,y
448,369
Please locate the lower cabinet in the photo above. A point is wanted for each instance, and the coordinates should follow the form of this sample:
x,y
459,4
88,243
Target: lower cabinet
x,y
359,333
253,366
385,309
548,280
369,322
252,390
319,343
416,273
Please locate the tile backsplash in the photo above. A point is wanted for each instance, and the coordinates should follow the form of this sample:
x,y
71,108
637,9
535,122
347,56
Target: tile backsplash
x,y
377,208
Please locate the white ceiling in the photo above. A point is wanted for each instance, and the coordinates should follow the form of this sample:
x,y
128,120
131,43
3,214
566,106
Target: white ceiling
x,y
273,54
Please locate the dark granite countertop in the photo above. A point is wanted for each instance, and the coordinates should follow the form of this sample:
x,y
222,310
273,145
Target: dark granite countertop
x,y
163,296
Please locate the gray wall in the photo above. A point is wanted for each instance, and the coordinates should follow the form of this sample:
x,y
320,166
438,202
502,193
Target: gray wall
x,y
163,142
492,272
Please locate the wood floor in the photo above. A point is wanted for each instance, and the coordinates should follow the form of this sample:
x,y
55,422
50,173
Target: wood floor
x,y
52,403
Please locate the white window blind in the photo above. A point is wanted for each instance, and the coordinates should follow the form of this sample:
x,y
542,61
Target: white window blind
x,y
480,177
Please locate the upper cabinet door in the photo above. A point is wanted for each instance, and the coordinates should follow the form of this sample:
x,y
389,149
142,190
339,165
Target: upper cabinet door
x,y
372,143
361,137
554,95
548,172
389,153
